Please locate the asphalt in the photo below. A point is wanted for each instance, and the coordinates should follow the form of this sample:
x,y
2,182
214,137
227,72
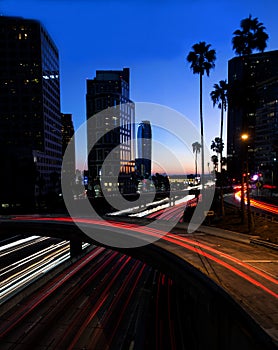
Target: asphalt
x,y
231,235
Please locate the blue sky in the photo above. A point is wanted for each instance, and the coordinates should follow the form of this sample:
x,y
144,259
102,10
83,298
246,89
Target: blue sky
x,y
152,38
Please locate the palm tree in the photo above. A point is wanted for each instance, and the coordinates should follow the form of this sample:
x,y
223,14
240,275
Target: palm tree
x,y
196,146
214,160
202,60
217,145
219,96
251,37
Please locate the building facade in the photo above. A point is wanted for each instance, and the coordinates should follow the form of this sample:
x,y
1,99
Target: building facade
x,y
30,118
253,109
144,149
110,123
67,137
67,130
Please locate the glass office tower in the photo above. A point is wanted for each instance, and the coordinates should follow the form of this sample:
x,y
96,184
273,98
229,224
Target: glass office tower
x,y
30,118
144,149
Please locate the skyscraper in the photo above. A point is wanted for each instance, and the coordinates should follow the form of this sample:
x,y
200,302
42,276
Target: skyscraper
x,y
108,93
67,136
67,130
253,109
144,149
30,119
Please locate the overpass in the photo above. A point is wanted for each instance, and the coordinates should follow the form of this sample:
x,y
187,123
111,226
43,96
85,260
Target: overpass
x,y
214,280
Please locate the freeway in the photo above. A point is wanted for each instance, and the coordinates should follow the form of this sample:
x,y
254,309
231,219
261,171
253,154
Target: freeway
x,y
116,302
235,268
24,260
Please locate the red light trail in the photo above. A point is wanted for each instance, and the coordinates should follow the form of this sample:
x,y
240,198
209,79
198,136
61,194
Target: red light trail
x,y
271,208
187,243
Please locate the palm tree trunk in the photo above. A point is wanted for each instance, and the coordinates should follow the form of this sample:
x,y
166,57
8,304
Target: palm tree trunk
x,y
202,132
195,165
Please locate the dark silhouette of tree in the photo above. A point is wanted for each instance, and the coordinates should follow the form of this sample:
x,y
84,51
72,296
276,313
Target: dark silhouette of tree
x,y
196,146
161,183
202,60
250,37
214,160
217,145
219,97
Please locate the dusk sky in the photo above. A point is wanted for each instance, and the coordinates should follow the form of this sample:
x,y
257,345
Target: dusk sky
x,y
152,38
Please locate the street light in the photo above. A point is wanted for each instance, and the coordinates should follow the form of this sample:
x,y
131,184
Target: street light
x,y
244,138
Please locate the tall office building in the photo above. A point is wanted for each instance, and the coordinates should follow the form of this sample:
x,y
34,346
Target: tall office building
x,y
256,114
108,93
67,136
144,149
30,119
67,130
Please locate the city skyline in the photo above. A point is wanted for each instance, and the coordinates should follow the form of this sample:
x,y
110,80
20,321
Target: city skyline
x,y
152,39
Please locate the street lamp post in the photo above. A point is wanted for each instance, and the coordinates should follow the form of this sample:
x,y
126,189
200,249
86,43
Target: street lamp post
x,y
242,195
244,138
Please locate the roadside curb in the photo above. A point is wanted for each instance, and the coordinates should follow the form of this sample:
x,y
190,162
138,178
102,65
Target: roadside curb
x,y
257,241
214,231
231,235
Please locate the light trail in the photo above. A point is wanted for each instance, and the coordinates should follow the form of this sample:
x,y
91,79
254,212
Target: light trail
x,y
46,292
174,213
102,299
40,254
27,275
104,263
179,241
20,241
170,319
49,257
101,306
125,285
21,244
227,256
188,245
271,208
136,211
160,206
157,309
264,206
161,234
